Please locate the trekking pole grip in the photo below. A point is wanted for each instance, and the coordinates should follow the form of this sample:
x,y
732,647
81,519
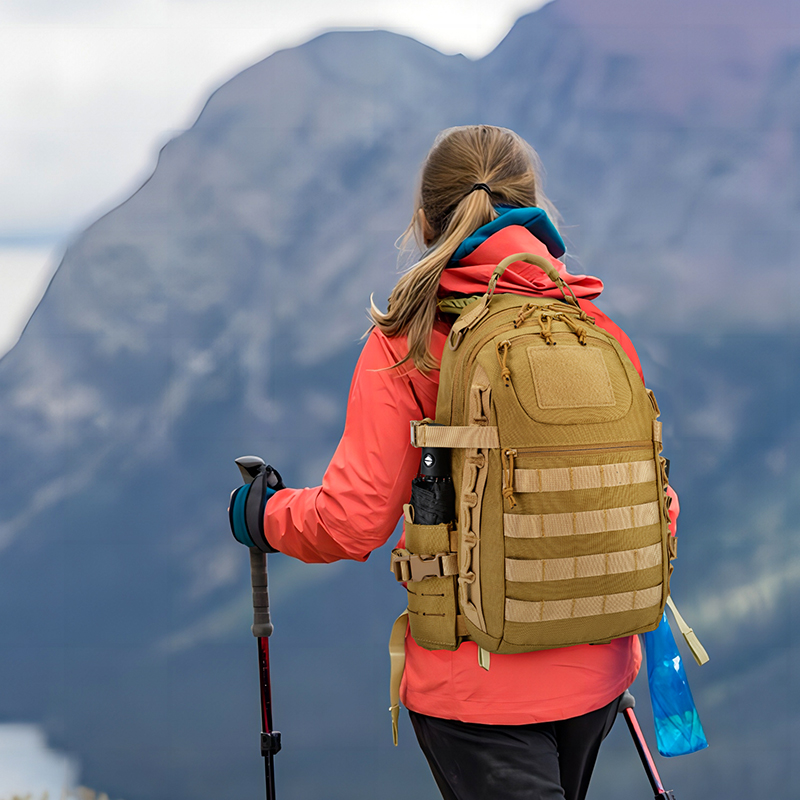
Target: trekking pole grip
x,y
250,467
262,624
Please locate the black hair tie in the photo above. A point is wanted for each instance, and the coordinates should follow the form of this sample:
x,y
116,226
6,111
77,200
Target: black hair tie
x,y
479,186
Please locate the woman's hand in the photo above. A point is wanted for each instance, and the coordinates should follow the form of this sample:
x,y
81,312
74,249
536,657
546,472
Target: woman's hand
x,y
246,509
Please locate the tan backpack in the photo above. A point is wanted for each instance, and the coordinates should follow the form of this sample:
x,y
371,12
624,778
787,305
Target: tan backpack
x,y
561,533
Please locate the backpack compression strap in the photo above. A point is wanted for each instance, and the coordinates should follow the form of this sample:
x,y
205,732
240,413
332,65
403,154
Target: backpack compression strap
x,y
397,661
397,658
425,434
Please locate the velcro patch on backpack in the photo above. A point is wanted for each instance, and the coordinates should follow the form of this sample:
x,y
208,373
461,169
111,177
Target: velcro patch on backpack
x,y
570,377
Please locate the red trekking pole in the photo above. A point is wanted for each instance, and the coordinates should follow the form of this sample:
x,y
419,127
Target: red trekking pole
x,y
250,467
626,709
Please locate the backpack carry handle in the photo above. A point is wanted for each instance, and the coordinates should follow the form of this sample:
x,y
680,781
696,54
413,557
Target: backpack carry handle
x,y
473,317
543,264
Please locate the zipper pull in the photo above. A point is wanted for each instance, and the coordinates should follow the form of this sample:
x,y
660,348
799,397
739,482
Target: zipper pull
x,y
574,327
508,491
502,354
545,321
524,313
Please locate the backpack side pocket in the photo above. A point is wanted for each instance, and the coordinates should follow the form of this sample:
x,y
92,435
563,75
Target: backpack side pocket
x,y
430,569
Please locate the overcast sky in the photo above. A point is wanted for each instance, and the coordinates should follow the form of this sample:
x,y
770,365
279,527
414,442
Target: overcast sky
x,y
91,89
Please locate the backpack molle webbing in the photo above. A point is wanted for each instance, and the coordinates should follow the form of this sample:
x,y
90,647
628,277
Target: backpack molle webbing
x,y
562,521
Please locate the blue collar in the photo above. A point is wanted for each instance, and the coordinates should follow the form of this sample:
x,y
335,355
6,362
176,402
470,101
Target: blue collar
x,y
533,218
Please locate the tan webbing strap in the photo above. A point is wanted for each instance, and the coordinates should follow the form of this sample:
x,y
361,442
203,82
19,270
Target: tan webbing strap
x,y
461,436
560,569
397,659
698,651
484,659
397,664
549,610
565,479
467,321
534,526
657,431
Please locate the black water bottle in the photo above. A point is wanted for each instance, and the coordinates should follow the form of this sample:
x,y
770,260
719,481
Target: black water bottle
x,y
433,495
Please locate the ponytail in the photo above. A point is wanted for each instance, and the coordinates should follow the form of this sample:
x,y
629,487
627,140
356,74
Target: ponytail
x,y
467,172
413,301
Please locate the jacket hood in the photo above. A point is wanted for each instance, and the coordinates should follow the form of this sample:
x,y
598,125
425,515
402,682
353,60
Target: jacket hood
x,y
519,230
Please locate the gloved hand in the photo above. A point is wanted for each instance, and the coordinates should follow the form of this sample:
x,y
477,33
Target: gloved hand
x,y
246,510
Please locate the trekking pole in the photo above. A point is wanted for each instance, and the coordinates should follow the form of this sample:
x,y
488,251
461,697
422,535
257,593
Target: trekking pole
x,y
251,467
626,709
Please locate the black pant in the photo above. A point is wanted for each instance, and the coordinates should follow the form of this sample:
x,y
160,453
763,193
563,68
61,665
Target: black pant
x,y
544,761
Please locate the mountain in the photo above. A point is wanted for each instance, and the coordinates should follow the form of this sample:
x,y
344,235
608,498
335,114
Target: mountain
x,y
218,312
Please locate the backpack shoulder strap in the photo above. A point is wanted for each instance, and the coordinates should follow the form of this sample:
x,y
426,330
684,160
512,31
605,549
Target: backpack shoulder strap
x,y
456,305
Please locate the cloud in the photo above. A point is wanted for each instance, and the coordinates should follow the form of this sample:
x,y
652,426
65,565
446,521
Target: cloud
x,y
753,601
28,767
92,89
27,271
284,583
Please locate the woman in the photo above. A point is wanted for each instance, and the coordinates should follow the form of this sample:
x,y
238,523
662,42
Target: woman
x,y
531,726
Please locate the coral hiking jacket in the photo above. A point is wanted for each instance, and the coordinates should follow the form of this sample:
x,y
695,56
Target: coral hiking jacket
x,y
369,479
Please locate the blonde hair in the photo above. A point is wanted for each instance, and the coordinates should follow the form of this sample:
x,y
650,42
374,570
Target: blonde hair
x,y
460,158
